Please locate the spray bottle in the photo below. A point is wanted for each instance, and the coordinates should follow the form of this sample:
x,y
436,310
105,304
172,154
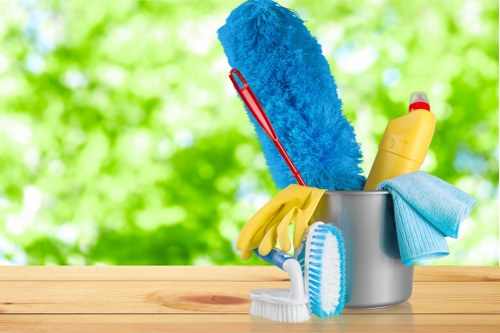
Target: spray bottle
x,y
405,142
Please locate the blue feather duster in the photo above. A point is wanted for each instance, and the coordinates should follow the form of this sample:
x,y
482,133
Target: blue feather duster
x,y
284,65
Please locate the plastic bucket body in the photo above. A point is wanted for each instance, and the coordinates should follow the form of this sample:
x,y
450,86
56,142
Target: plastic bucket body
x,y
375,275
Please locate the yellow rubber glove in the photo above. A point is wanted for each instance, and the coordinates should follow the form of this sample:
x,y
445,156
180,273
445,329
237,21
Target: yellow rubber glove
x,y
270,223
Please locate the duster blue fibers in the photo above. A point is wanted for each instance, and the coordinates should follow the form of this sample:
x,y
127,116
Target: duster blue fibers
x,y
284,65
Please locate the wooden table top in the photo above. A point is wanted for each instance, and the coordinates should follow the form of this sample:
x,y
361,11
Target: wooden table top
x,y
215,299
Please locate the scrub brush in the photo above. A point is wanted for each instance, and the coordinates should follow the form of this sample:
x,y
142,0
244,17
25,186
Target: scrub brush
x,y
284,65
285,305
322,259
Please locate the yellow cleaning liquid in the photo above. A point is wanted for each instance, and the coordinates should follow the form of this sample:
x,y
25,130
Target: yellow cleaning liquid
x,y
405,142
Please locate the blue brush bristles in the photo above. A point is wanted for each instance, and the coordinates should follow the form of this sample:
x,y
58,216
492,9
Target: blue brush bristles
x,y
284,65
322,258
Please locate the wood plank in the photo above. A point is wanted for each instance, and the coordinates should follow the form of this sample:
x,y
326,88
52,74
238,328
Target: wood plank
x,y
457,274
390,323
216,297
215,273
142,273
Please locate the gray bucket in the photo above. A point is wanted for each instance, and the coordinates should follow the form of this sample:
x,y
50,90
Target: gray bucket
x,y
375,275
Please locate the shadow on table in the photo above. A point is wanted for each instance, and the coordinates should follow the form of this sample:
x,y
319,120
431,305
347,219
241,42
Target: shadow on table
x,y
392,319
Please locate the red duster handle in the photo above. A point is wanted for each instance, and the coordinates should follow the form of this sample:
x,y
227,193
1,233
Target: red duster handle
x,y
257,111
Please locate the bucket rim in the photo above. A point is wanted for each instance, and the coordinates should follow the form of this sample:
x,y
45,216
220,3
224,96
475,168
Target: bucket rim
x,y
362,193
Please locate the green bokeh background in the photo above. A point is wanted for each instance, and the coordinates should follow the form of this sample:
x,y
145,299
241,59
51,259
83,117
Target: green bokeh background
x,y
122,141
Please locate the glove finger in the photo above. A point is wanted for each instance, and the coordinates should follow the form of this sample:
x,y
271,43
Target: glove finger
x,y
296,194
292,196
255,228
301,224
282,231
268,242
246,254
256,239
281,215
304,215
286,208
311,203
271,224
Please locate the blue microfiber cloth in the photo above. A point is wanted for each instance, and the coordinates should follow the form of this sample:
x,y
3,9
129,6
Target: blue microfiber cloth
x,y
284,66
427,209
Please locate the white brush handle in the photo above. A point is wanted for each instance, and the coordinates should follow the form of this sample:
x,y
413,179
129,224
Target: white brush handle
x,y
290,265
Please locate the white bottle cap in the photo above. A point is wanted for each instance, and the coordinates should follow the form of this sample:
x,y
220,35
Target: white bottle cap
x,y
419,101
419,96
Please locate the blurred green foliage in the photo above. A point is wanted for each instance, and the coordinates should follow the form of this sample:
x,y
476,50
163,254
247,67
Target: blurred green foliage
x,y
122,141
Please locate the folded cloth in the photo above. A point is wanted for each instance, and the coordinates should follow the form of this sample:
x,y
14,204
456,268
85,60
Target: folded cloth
x,y
426,210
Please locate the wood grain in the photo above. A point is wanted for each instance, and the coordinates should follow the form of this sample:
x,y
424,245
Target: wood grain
x,y
218,273
208,299
346,323
457,274
142,273
213,297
